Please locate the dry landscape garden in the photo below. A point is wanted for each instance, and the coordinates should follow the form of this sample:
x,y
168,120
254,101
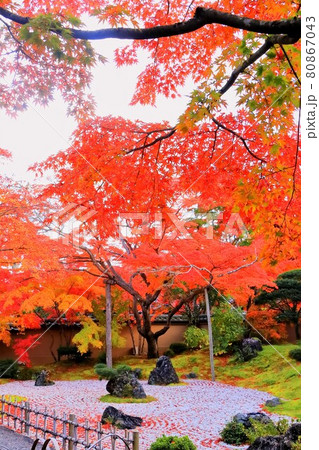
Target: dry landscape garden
x,y
150,282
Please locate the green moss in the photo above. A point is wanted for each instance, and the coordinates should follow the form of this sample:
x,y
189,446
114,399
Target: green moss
x,y
112,399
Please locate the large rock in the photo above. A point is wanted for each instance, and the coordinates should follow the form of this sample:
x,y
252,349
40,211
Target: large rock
x,y
43,379
249,348
245,418
125,385
247,353
164,372
293,432
252,343
278,442
270,443
120,420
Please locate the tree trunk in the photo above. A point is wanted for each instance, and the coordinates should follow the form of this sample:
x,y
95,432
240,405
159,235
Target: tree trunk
x,y
210,335
108,325
152,349
297,331
135,349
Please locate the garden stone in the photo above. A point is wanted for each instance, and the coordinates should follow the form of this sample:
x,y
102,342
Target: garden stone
x,y
293,432
43,379
125,385
278,442
164,372
247,353
191,375
252,343
137,373
270,443
273,402
245,418
120,420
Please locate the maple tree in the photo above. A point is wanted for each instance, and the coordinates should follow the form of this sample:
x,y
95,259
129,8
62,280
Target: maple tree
x,y
215,167
135,235
34,291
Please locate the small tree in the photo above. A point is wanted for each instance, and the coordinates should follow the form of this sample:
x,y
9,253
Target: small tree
x,y
227,326
286,300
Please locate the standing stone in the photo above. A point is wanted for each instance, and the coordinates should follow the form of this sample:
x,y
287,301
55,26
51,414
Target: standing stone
x,y
43,379
120,420
164,372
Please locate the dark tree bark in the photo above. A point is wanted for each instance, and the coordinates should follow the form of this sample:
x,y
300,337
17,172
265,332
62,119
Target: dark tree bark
x,y
202,17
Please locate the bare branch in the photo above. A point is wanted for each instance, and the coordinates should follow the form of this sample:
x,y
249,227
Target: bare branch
x,y
150,144
220,125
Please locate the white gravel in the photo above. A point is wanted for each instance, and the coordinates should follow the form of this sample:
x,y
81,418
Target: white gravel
x,y
200,409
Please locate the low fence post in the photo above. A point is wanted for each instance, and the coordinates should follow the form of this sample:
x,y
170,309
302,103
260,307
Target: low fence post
x,y
136,440
71,431
2,407
27,418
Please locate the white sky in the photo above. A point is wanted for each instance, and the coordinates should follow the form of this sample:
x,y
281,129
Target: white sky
x,y
40,132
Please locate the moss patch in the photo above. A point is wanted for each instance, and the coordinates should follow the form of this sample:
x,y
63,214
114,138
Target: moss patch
x,y
112,399
69,371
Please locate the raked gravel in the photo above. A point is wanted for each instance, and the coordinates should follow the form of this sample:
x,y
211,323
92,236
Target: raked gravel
x,y
199,409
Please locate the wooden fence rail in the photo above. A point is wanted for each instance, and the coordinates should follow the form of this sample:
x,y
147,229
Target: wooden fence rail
x,y
71,434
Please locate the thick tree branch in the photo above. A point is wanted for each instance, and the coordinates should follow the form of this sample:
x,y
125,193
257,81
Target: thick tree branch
x,y
202,17
175,310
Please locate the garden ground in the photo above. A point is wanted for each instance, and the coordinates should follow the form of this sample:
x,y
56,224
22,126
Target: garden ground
x,y
269,372
199,409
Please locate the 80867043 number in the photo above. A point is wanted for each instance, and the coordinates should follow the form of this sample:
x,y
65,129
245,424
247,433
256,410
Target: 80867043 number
x,y
310,47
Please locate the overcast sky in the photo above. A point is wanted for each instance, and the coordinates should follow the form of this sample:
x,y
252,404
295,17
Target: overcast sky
x,y
40,132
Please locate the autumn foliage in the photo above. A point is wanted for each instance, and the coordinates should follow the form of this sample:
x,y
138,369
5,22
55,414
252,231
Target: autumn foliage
x,y
212,200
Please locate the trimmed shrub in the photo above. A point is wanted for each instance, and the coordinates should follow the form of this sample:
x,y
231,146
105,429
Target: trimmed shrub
x,y
227,327
295,354
72,352
234,433
107,373
169,353
9,369
196,338
178,347
173,443
25,373
259,429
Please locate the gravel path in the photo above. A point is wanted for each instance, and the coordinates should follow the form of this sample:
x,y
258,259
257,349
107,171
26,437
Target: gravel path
x,y
200,409
9,440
